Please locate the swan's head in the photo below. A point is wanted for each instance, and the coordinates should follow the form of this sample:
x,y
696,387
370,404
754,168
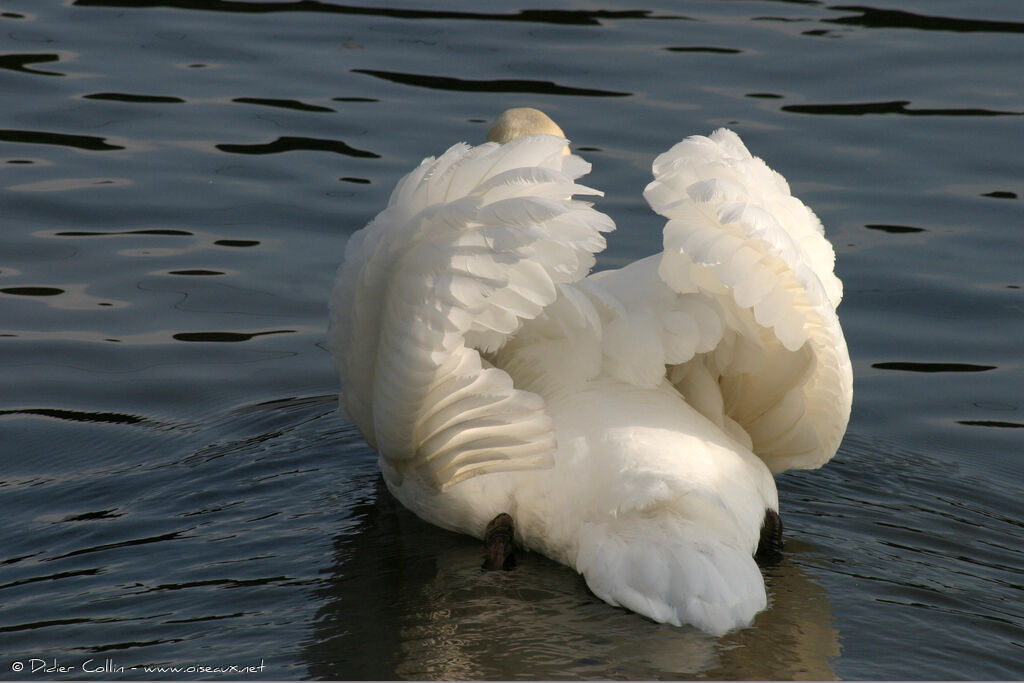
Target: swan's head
x,y
520,122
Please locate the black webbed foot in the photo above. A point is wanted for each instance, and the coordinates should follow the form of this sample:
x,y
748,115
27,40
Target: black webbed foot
x,y
769,548
498,542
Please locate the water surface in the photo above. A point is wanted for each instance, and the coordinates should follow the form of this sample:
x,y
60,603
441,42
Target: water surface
x,y
177,182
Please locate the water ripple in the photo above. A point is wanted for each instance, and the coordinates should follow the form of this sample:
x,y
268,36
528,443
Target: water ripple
x,y
550,16
81,415
33,137
871,17
138,99
283,104
895,107
291,143
111,233
172,536
20,62
999,424
183,548
705,49
499,85
932,367
230,337
894,229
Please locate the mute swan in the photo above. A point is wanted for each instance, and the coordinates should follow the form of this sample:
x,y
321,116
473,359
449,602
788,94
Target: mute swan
x,y
628,421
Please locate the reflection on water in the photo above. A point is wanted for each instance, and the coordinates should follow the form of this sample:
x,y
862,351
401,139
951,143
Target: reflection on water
x,y
417,596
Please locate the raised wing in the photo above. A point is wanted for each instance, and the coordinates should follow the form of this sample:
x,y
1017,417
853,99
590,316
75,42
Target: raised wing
x,y
470,245
742,303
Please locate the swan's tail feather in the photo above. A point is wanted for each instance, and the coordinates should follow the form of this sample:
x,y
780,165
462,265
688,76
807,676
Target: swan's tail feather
x,y
736,235
670,575
471,244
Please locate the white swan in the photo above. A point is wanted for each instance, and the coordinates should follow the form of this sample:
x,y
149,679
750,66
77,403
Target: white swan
x,y
630,420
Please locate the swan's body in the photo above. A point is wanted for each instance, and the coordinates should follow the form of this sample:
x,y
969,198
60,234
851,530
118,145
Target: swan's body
x,y
629,421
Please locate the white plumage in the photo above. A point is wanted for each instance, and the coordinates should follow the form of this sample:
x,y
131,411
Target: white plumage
x,y
630,420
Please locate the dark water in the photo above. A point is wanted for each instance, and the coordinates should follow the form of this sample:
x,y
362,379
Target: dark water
x,y
178,181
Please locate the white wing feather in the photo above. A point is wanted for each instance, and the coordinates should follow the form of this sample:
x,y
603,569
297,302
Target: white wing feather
x,y
737,237
470,245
